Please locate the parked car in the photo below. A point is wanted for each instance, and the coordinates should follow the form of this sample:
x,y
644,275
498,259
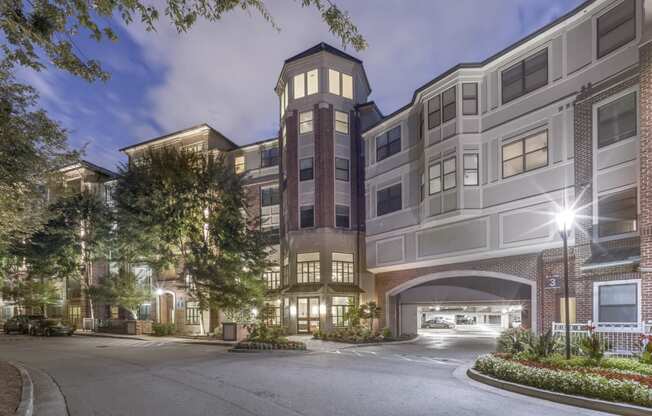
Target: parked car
x,y
50,327
438,323
20,323
465,320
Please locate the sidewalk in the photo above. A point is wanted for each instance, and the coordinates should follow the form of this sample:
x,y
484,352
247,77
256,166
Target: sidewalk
x,y
199,340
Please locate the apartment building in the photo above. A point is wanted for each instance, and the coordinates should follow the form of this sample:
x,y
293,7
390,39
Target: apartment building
x,y
462,184
447,205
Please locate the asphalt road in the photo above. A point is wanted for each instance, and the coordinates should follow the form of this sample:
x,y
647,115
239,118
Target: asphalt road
x,y
102,376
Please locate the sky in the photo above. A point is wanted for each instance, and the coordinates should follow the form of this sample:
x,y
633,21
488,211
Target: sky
x,y
223,73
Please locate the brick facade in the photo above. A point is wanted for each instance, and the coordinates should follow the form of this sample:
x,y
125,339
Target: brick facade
x,y
645,191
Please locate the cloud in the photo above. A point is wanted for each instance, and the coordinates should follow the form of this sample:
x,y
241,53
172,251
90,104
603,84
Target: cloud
x,y
224,73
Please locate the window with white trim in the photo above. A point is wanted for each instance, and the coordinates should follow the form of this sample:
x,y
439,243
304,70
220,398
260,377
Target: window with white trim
x,y
272,278
342,268
240,164
269,208
388,143
525,154
342,219
341,169
617,120
449,104
305,122
471,170
193,314
617,302
307,216
434,178
340,305
340,84
450,173
525,76
617,213
306,171
616,28
389,200
308,269
306,83
341,122
434,112
269,157
272,313
470,98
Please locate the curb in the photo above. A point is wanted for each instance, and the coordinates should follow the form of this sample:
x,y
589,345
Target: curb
x,y
578,401
26,406
109,336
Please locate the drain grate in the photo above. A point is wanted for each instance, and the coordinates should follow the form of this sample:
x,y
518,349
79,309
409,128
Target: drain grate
x,y
101,346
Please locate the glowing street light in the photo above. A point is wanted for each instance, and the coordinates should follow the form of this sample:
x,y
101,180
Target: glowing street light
x,y
159,291
565,221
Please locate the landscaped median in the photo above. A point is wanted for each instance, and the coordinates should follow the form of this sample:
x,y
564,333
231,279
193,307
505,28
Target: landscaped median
x,y
10,388
532,364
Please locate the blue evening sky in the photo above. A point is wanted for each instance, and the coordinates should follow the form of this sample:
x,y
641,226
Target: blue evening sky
x,y
224,73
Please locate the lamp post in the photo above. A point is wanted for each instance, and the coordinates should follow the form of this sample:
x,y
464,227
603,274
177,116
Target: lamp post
x,y
565,219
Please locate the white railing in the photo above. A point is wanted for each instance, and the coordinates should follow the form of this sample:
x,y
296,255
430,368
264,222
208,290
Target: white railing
x,y
623,339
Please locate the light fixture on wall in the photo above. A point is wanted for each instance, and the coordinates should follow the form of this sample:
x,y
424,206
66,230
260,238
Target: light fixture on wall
x,y
159,291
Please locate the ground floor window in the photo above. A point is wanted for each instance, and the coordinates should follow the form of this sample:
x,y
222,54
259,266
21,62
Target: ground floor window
x,y
144,311
272,314
115,312
74,315
339,306
617,302
192,313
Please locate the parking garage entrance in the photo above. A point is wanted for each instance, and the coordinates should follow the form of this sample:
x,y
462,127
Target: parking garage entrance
x,y
484,302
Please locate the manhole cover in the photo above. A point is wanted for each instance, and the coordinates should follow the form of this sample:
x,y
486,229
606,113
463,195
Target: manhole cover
x,y
102,346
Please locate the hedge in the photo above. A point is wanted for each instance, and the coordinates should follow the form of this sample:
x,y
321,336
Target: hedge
x,y
569,382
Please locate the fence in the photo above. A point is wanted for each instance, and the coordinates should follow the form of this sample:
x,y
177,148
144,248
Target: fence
x,y
622,339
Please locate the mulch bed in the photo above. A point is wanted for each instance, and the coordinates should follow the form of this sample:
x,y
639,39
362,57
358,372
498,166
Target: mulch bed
x,y
606,373
10,389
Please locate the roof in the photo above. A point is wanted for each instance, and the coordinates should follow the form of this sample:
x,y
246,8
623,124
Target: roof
x,y
91,166
259,142
178,132
325,47
488,60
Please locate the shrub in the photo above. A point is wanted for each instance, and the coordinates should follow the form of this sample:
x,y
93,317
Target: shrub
x,y
593,347
569,382
513,340
646,343
162,330
540,346
387,333
260,332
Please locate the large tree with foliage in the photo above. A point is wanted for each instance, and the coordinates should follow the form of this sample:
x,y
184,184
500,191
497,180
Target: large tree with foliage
x,y
32,149
51,26
186,210
33,295
122,289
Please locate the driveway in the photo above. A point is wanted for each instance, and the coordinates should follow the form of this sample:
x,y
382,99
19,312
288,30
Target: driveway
x,y
101,376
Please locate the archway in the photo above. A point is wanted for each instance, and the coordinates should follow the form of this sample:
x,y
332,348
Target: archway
x,y
459,296
166,301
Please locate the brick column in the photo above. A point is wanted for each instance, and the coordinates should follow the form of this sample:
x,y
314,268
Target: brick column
x,y
645,191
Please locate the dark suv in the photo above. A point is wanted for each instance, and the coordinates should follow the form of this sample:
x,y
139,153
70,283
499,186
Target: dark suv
x,y
20,323
50,327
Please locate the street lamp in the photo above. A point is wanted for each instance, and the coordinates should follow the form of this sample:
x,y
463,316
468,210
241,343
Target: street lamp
x,y
565,219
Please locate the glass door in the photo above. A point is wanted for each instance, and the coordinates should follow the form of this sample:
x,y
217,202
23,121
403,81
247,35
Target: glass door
x,y
308,315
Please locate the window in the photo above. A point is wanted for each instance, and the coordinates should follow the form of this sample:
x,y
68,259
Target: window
x,y
115,312
617,120
616,27
420,125
342,216
340,84
306,169
308,268
269,208
240,164
269,157
341,122
449,108
307,216
525,76
617,301
342,266
312,79
525,154
434,178
434,112
306,84
299,86
272,313
347,86
389,200
422,185
471,175
450,173
144,312
341,169
470,99
339,307
617,213
192,313
333,82
305,122
272,279
388,143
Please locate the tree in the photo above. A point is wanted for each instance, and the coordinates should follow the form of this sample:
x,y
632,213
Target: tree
x,y
370,312
122,289
33,294
186,210
32,149
52,26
